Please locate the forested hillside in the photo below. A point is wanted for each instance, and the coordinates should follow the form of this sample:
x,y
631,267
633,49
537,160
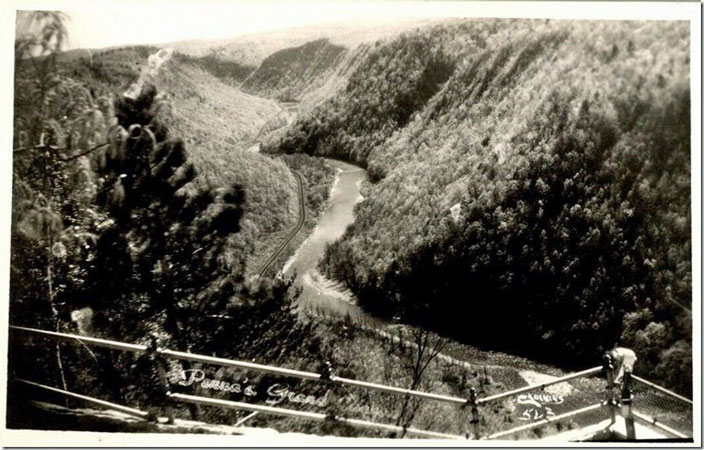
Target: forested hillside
x,y
228,71
382,94
116,233
108,70
287,73
532,186
216,121
220,122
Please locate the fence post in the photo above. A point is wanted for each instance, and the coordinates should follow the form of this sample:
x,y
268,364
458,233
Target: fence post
x,y
627,406
161,382
474,411
609,371
328,379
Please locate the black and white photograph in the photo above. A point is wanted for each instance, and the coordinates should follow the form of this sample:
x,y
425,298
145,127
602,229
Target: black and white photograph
x,y
356,223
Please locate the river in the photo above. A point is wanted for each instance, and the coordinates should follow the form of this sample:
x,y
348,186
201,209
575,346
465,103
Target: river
x,y
318,292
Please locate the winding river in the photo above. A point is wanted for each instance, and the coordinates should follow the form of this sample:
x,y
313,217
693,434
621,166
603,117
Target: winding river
x,y
319,293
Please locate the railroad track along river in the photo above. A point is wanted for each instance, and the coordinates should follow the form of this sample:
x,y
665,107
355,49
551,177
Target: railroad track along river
x,y
299,224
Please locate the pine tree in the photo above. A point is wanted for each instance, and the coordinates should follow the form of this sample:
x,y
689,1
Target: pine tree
x,y
172,233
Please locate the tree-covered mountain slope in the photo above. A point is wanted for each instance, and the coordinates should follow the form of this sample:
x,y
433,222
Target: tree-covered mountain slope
x,y
217,121
229,71
532,185
286,73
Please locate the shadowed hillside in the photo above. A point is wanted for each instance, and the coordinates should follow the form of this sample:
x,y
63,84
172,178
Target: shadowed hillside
x,y
227,71
286,73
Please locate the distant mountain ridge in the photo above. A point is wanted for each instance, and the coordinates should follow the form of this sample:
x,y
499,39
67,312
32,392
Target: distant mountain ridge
x,y
286,73
253,49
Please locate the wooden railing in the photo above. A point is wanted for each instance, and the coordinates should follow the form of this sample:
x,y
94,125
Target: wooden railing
x,y
472,404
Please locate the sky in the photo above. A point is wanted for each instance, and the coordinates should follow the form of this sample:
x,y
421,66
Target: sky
x,y
128,22
105,23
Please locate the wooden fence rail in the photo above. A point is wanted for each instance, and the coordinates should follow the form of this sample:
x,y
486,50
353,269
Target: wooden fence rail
x,y
85,398
241,406
472,402
546,421
115,345
662,389
541,386
308,415
654,422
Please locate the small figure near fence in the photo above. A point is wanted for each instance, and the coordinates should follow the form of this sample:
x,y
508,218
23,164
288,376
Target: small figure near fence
x,y
618,365
624,359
